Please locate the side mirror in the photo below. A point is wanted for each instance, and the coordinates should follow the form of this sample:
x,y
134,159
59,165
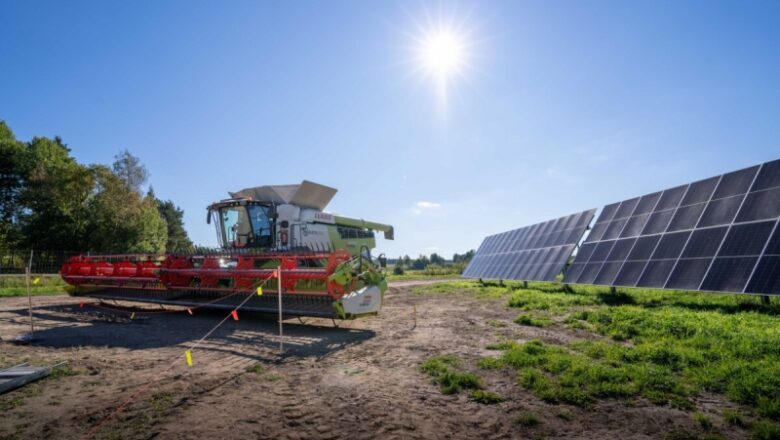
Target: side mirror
x,y
382,261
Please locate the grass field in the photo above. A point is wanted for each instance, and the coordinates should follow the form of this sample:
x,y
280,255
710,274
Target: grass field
x,y
424,274
15,285
668,347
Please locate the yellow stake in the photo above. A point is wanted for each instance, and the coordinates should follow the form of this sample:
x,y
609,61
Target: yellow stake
x,y
188,356
259,291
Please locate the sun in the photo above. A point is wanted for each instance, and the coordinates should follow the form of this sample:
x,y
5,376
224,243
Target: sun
x,y
442,53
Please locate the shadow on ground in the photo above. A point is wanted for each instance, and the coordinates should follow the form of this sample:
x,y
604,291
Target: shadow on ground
x,y
67,326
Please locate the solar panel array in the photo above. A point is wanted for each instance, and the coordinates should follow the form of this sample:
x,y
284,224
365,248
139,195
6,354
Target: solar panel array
x,y
534,253
717,234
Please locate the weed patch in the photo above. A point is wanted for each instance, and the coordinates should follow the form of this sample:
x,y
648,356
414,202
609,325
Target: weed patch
x,y
528,419
256,368
485,397
445,371
765,430
533,321
559,374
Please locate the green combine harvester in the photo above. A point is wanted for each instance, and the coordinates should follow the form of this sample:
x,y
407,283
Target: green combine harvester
x,y
324,260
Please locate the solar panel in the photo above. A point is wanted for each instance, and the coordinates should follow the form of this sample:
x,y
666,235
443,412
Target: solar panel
x,y
719,234
534,253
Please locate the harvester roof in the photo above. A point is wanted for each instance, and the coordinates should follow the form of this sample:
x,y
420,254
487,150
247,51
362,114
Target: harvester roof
x,y
306,194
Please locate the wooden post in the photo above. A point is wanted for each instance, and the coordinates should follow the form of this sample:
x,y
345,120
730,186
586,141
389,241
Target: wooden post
x,y
279,285
28,269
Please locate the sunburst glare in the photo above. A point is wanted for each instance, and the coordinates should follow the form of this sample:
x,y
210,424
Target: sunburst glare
x,y
442,54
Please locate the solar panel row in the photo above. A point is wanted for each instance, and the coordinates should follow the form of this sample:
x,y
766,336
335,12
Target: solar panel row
x,y
534,253
717,234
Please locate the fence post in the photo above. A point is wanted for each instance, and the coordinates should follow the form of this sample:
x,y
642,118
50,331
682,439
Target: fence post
x,y
279,285
28,269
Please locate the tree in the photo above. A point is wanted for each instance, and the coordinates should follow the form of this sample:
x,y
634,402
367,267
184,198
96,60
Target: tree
x,y
465,258
48,201
12,160
130,169
123,221
151,231
420,263
437,259
55,195
174,220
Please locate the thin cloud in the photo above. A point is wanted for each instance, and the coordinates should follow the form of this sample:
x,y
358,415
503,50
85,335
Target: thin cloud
x,y
428,205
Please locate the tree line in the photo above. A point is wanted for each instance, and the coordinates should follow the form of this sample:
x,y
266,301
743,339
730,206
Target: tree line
x,y
50,201
422,262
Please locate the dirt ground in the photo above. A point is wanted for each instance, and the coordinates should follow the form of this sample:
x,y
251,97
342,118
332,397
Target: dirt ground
x,y
360,380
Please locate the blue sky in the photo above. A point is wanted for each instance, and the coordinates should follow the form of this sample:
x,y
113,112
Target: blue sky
x,y
564,106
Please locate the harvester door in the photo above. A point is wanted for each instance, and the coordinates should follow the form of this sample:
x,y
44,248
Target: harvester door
x,y
262,226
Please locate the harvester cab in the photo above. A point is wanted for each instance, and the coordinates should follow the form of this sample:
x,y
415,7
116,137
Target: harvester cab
x,y
289,218
324,260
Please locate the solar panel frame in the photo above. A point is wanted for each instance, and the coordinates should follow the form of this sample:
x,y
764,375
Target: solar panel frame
x,y
537,252
699,217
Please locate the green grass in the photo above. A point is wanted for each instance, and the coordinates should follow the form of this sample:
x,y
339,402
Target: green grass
x,y
485,397
564,414
445,371
734,418
533,321
432,272
414,275
702,420
563,375
736,354
528,419
666,346
64,371
256,368
15,285
160,403
765,430
465,287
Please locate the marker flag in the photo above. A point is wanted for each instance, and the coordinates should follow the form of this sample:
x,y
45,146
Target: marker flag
x,y
37,280
259,291
189,310
275,274
235,315
132,315
188,357
81,305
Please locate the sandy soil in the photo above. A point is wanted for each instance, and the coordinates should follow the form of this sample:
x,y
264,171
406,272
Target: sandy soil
x,y
360,380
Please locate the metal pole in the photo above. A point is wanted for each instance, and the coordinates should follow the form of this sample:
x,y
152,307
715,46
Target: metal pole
x,y
279,286
29,295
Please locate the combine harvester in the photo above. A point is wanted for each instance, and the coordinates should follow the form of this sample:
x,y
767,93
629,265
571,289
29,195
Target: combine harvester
x,y
325,260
